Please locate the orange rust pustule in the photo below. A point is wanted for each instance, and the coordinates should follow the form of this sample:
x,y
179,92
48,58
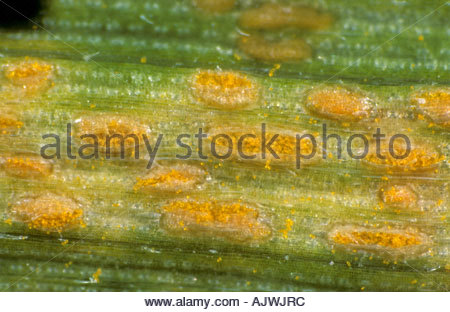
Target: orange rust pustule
x,y
31,75
339,104
275,16
251,145
49,212
171,179
422,158
398,196
114,129
435,104
383,240
9,123
233,221
215,6
225,89
26,166
286,50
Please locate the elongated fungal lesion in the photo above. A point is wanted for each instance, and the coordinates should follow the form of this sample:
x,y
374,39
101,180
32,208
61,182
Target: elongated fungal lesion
x,y
284,50
253,145
9,122
214,6
30,75
226,90
419,157
26,166
175,178
48,212
112,133
435,104
386,240
234,221
400,196
339,103
272,16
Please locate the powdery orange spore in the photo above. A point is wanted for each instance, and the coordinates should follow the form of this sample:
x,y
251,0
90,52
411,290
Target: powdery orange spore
x,y
435,104
172,179
228,220
398,196
26,166
225,89
96,275
9,123
286,50
276,16
386,239
31,75
340,104
215,6
376,238
105,127
284,145
49,212
421,158
288,227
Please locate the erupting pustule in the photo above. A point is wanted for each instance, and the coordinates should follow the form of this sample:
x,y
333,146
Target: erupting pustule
x,y
339,104
398,196
215,6
285,50
26,166
434,103
113,129
419,158
9,123
272,16
171,179
31,75
247,145
225,89
233,221
385,239
48,212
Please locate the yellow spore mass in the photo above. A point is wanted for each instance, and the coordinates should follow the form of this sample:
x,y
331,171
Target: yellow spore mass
x,y
421,158
285,50
225,89
435,104
173,179
26,166
276,16
288,227
96,275
9,123
31,75
338,103
215,6
398,196
378,239
227,220
115,129
249,143
49,212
